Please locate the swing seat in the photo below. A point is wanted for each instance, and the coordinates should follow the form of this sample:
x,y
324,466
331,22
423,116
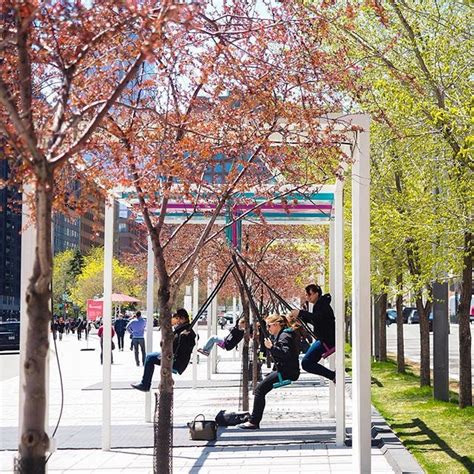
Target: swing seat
x,y
281,382
327,351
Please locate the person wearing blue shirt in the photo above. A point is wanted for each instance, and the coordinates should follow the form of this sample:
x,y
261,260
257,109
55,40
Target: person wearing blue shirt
x,y
183,344
136,327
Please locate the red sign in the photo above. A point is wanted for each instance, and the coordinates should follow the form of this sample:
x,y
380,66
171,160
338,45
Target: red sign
x,y
95,309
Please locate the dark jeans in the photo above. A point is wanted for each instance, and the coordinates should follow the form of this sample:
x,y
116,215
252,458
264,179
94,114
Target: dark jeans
x,y
120,340
263,387
311,359
102,354
152,359
139,342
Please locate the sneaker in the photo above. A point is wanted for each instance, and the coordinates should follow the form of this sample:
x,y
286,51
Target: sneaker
x,y
140,386
203,352
248,426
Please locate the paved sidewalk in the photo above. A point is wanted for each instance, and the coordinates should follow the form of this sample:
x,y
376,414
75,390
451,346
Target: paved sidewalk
x,y
296,434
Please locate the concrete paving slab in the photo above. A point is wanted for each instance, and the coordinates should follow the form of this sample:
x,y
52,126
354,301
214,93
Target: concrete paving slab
x,y
297,433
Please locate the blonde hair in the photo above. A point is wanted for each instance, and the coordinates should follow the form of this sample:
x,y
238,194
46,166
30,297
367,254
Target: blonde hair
x,y
277,318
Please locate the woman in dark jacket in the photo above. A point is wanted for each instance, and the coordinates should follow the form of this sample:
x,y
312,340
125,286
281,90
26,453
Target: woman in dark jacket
x,y
284,347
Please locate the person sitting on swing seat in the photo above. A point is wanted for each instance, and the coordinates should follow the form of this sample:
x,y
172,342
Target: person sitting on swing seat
x,y
284,347
183,344
229,342
322,319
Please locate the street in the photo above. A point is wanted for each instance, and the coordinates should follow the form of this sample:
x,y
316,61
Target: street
x,y
411,334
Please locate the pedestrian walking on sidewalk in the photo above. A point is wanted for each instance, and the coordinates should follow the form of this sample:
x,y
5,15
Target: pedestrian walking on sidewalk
x,y
61,328
183,344
100,333
120,326
229,342
322,319
284,348
136,328
80,327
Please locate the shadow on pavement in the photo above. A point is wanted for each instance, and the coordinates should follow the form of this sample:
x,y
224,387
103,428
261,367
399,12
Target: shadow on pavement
x,y
422,429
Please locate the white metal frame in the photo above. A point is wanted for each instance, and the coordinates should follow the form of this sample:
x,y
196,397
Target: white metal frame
x,y
361,412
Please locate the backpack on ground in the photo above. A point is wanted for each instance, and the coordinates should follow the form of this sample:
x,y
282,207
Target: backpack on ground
x,y
232,418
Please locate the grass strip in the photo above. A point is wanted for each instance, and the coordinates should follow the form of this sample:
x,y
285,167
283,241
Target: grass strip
x,y
439,434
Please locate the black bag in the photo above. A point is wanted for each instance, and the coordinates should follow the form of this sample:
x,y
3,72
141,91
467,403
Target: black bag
x,y
205,430
232,418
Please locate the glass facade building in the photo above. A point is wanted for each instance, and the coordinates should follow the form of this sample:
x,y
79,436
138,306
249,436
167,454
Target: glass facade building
x,y
10,248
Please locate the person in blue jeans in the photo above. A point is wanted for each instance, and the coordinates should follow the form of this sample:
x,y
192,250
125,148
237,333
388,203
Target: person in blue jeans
x,y
283,345
323,321
136,327
228,343
183,344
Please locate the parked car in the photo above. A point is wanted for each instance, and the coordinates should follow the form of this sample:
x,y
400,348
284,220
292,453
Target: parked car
x,y
391,316
406,312
9,335
413,317
231,316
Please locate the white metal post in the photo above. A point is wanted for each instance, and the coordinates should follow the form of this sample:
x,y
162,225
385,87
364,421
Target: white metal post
x,y
339,313
322,271
107,323
209,318
195,312
188,299
213,307
332,282
234,312
150,288
361,427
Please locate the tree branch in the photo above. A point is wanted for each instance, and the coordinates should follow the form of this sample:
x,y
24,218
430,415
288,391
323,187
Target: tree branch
x,y
26,135
75,147
24,71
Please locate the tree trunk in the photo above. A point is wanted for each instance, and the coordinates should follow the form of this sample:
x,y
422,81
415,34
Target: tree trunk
x,y
375,321
465,367
163,420
348,325
34,440
245,353
254,355
382,352
423,312
400,340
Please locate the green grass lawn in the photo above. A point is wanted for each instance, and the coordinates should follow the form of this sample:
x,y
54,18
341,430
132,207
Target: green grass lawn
x,y
439,434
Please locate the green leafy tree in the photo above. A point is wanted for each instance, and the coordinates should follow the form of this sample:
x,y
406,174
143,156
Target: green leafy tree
x,y
67,266
90,283
63,280
77,263
414,66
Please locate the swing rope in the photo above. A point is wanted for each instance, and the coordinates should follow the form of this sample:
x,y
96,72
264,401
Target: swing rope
x,y
274,293
212,295
281,382
253,306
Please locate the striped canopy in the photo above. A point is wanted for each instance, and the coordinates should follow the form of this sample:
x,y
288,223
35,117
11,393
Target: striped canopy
x,y
314,206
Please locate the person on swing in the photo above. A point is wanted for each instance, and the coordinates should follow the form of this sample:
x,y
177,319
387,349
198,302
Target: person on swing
x,y
183,344
322,319
284,347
